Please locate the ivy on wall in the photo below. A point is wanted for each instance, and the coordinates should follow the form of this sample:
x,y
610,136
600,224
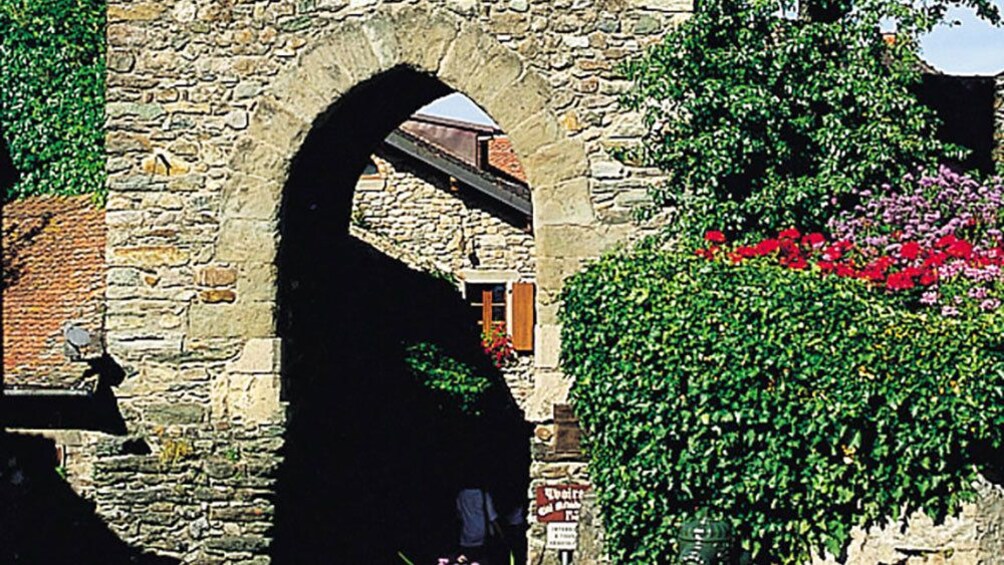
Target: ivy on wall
x,y
794,405
52,80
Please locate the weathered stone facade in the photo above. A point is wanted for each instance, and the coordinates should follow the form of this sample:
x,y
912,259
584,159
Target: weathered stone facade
x,y
414,214
418,211
212,107
209,104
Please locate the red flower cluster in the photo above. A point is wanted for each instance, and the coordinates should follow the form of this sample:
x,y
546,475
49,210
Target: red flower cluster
x,y
497,345
910,266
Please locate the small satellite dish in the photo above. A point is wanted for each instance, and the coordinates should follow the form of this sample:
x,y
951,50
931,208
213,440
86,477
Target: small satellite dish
x,y
77,337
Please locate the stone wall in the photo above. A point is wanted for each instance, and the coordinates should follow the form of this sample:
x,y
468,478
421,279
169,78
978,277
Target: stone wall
x,y
419,211
413,214
209,103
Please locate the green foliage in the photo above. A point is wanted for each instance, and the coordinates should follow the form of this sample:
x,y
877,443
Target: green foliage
x,y
457,385
52,79
762,121
793,405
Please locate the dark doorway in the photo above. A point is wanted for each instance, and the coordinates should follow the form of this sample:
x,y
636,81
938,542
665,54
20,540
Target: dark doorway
x,y
372,462
965,106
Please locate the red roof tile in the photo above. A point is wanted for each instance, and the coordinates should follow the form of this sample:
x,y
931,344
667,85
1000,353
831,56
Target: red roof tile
x,y
54,273
501,157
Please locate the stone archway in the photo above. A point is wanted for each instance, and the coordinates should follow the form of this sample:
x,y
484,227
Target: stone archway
x,y
424,47
460,55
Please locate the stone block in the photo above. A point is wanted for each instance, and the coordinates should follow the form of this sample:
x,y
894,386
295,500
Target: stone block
x,y
214,276
260,355
556,163
135,11
175,413
162,163
148,256
350,47
252,198
664,5
497,68
566,203
551,388
547,346
320,71
253,319
146,112
257,158
513,105
247,240
257,282
218,295
423,37
248,398
578,242
278,126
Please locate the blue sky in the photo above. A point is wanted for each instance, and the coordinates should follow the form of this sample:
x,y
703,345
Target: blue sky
x,y
972,48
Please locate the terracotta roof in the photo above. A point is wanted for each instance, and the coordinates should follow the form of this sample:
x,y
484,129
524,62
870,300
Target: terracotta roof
x,y
54,274
502,158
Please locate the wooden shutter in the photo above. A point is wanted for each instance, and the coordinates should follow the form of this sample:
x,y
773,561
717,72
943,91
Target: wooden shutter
x,y
522,316
486,311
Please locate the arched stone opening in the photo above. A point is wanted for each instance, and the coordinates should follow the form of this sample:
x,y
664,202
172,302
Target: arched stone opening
x,y
308,142
293,170
372,463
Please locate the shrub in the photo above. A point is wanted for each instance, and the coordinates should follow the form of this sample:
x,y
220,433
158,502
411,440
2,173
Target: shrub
x,y
794,405
52,78
762,121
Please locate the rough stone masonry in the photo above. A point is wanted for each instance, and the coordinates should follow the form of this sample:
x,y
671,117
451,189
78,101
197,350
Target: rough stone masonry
x,y
208,105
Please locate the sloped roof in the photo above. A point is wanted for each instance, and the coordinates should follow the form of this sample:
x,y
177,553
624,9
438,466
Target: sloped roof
x,y
478,155
54,274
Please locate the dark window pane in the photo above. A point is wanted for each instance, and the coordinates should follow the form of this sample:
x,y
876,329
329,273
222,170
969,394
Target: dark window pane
x,y
498,314
370,169
498,294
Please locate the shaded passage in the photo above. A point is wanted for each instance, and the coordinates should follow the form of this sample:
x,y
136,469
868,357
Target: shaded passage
x,y
372,461
42,520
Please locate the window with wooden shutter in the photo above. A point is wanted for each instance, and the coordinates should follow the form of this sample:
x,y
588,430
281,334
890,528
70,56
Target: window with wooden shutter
x,y
489,302
522,316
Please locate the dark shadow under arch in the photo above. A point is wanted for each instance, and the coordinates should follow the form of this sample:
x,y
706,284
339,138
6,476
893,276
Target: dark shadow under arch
x,y
371,463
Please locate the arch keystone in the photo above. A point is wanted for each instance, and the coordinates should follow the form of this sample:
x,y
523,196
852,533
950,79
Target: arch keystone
x,y
355,54
423,37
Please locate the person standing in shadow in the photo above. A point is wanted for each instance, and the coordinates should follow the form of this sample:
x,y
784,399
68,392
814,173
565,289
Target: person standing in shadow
x,y
479,527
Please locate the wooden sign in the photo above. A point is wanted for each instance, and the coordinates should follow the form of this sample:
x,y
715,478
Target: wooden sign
x,y
567,435
560,503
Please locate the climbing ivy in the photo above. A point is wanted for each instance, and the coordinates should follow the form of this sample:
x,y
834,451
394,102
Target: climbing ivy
x,y
795,406
52,69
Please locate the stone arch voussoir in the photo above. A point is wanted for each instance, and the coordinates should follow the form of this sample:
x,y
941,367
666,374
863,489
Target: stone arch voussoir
x,y
456,51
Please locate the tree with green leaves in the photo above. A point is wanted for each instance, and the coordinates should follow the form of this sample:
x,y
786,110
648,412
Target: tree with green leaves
x,y
52,81
763,120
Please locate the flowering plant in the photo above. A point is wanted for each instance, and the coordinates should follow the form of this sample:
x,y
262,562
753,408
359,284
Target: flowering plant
x,y
708,384
497,344
948,271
